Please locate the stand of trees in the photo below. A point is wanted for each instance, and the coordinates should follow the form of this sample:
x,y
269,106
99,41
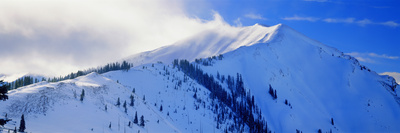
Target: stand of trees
x,y
238,100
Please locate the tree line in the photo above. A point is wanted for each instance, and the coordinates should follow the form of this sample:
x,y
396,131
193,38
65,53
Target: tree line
x,y
28,80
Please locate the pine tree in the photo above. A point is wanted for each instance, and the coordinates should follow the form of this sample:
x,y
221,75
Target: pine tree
x,y
118,102
332,121
132,101
161,108
142,121
135,120
124,105
22,124
109,126
82,94
3,91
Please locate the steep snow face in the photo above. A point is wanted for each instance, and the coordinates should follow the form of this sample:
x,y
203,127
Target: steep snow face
x,y
318,81
207,44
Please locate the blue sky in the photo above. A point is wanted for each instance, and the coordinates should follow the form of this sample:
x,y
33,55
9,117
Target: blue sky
x,y
59,37
368,30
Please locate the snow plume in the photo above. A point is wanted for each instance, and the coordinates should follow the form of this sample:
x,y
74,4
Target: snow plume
x,y
58,37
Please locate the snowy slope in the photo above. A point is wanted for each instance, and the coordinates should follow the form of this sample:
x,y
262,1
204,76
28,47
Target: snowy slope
x,y
56,107
320,83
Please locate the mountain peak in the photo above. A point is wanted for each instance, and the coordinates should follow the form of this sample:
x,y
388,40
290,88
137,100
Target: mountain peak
x,y
223,40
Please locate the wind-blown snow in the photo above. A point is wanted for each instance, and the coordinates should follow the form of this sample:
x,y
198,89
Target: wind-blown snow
x,y
208,43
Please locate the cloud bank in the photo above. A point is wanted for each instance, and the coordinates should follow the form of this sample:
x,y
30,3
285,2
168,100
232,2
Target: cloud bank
x,y
58,37
298,18
255,16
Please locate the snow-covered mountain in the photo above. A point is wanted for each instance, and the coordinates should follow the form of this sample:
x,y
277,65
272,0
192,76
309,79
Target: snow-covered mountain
x,y
208,43
314,87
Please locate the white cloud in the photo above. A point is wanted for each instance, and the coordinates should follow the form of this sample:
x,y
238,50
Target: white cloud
x,y
383,56
255,16
298,18
317,0
371,57
350,20
390,23
57,37
364,22
335,20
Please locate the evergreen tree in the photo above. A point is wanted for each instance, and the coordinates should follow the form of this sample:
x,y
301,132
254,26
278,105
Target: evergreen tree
x,y
161,108
332,121
135,120
142,121
124,105
118,102
109,126
82,94
195,95
132,100
271,92
3,91
22,124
